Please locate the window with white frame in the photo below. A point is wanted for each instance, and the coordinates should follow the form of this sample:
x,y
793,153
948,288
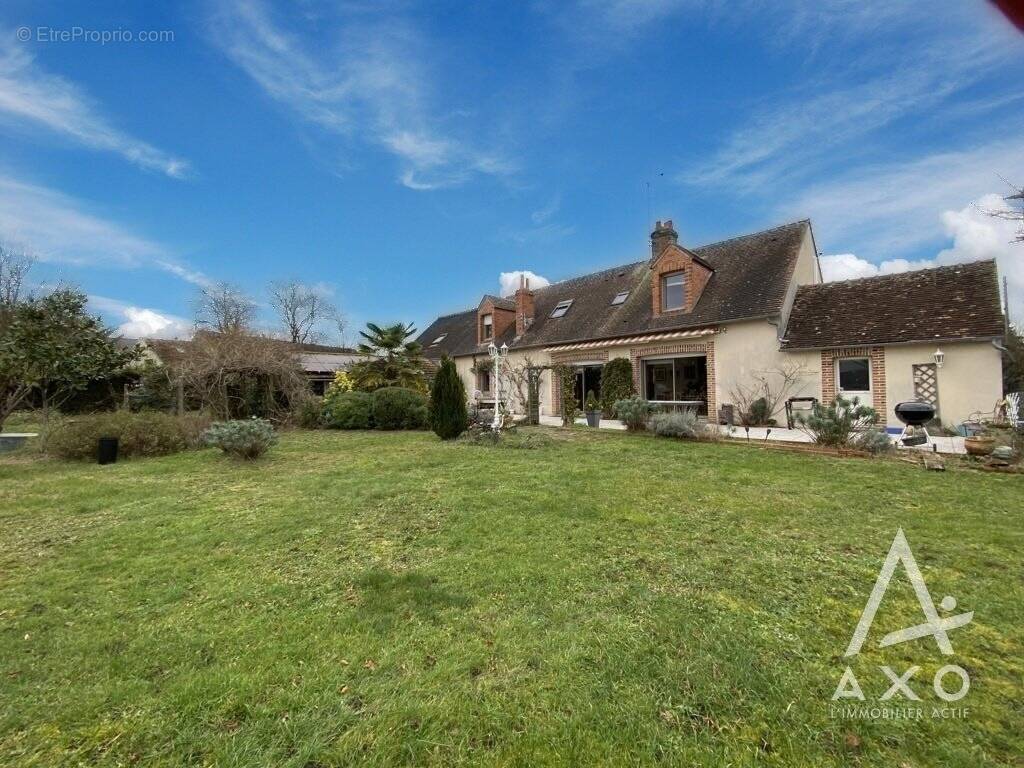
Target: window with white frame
x,y
620,298
853,374
672,293
488,322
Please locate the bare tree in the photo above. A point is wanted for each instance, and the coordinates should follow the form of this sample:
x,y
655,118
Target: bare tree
x,y
773,386
224,308
516,376
302,310
1013,211
14,268
235,375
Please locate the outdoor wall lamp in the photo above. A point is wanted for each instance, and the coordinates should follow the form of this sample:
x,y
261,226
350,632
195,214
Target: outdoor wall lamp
x,y
940,357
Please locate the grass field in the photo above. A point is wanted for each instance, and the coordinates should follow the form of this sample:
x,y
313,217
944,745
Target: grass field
x,y
385,599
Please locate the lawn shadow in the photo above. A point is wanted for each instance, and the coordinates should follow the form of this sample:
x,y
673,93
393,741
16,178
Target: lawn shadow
x,y
387,597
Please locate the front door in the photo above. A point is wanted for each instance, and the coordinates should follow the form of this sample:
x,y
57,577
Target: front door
x,y
588,379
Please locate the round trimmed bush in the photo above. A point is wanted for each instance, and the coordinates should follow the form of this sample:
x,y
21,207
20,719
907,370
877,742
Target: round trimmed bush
x,y
399,408
349,410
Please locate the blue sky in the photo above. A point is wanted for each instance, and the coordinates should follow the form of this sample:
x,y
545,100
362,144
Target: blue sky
x,y
401,156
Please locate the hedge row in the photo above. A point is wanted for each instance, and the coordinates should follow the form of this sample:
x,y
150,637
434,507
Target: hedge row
x,y
387,408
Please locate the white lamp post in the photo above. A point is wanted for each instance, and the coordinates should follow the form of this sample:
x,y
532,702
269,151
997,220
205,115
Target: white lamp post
x,y
497,357
493,352
940,357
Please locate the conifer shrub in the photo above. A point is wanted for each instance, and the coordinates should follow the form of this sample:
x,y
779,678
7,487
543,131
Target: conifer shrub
x,y
448,414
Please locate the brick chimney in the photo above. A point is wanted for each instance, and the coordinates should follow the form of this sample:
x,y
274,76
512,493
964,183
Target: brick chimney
x,y
663,236
524,306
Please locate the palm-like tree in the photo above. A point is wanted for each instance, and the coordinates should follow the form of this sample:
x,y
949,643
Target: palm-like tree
x,y
392,359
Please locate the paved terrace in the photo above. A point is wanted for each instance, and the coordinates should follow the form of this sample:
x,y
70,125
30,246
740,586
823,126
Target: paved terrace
x,y
939,443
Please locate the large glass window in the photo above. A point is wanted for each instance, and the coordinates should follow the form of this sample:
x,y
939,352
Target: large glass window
x,y
679,380
488,321
854,374
672,291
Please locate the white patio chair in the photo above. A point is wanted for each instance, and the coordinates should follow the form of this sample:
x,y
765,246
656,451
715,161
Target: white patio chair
x,y
1015,409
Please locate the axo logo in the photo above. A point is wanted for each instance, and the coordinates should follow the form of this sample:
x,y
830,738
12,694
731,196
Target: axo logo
x,y
934,626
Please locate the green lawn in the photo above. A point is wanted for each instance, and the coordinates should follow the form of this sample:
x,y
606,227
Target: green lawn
x,y
385,599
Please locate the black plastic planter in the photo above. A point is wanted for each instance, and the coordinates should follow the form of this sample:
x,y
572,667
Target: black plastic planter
x,y
594,418
106,450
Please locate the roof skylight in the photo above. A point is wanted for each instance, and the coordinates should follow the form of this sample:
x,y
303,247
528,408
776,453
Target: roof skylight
x,y
561,308
439,339
620,298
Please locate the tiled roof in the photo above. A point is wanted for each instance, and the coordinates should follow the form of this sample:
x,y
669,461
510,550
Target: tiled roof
x,y
751,275
956,302
501,303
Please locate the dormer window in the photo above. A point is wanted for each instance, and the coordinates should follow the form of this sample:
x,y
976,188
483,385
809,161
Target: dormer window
x,y
439,339
488,325
561,308
673,295
620,298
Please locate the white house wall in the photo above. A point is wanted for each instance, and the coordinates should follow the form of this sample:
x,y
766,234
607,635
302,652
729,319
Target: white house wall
x,y
969,381
745,350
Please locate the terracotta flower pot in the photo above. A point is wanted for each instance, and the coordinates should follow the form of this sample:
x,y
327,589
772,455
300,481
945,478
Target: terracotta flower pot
x,y
979,446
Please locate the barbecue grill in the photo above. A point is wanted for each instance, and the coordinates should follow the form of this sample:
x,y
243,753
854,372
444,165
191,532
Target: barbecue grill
x,y
914,415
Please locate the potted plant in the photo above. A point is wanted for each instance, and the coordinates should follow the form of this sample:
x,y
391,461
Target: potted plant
x,y
593,410
980,444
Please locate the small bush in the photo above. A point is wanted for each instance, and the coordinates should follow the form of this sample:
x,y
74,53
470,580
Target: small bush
x,y
349,410
245,438
759,414
838,423
682,424
341,384
874,441
634,412
448,415
616,384
309,413
399,408
146,433
591,404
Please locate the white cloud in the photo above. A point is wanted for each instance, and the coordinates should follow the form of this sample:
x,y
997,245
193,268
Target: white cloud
x,y
57,228
510,281
890,210
141,322
357,80
975,236
32,97
886,62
